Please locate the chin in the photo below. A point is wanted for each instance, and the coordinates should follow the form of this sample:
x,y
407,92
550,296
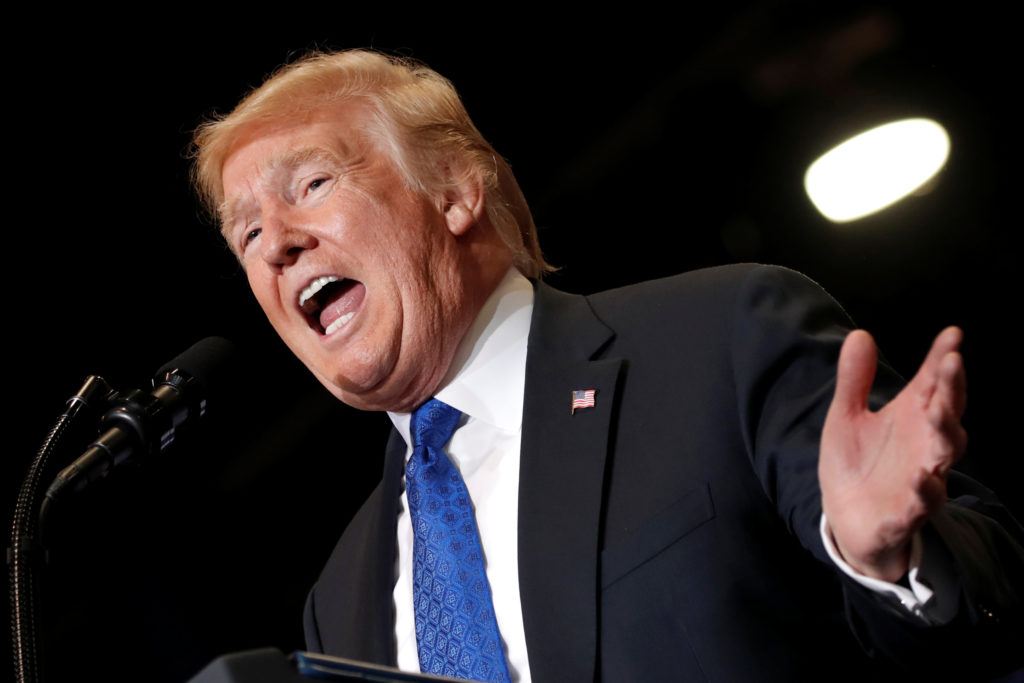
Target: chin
x,y
390,395
376,396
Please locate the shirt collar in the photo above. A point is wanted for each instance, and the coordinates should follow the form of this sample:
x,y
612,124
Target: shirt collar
x,y
487,376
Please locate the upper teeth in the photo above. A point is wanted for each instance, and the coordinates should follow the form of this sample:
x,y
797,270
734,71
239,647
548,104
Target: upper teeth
x,y
315,286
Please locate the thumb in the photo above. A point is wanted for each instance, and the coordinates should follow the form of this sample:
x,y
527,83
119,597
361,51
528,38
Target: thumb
x,y
858,360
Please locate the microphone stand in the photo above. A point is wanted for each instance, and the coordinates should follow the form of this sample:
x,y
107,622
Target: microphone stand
x,y
27,552
141,424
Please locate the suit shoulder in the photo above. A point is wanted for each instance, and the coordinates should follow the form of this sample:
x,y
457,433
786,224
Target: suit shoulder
x,y
724,289
727,279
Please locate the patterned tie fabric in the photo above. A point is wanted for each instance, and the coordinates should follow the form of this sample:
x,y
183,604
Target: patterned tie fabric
x,y
456,632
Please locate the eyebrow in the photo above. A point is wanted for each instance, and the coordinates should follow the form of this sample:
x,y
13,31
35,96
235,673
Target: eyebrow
x,y
291,159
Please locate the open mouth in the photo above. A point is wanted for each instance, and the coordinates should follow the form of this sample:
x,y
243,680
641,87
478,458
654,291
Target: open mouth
x,y
330,302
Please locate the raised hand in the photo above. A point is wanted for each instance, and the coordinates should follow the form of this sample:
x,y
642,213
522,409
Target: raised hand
x,y
883,473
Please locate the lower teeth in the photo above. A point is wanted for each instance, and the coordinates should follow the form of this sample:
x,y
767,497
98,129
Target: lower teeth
x,y
337,324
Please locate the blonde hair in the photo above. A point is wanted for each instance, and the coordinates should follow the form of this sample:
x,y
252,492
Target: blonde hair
x,y
420,123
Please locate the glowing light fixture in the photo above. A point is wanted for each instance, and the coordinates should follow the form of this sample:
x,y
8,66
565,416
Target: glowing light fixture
x,y
877,168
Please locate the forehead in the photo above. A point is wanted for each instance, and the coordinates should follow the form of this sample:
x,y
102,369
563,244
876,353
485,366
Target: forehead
x,y
261,152
337,131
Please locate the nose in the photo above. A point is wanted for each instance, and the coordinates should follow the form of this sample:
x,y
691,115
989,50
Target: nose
x,y
284,238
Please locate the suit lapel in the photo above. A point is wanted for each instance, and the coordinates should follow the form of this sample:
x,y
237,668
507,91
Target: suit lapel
x,y
561,482
394,463
368,633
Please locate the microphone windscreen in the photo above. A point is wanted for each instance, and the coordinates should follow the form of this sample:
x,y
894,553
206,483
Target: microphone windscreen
x,y
212,362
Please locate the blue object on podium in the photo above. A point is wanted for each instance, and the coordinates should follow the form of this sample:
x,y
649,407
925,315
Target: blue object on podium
x,y
270,665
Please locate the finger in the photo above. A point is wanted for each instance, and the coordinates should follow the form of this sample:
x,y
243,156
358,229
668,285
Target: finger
x,y
944,417
949,395
958,438
931,487
858,360
948,340
947,446
926,379
952,388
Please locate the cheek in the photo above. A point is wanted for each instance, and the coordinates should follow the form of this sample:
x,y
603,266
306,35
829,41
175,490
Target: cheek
x,y
262,288
360,369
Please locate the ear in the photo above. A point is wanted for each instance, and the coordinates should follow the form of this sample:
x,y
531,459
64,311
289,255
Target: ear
x,y
464,200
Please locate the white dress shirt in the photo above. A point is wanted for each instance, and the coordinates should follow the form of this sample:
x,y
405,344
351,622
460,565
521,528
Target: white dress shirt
x,y
486,383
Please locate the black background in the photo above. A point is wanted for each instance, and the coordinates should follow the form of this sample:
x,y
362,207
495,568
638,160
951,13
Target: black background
x,y
647,143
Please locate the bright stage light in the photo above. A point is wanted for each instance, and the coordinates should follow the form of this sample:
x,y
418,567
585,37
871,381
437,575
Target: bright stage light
x,y
876,168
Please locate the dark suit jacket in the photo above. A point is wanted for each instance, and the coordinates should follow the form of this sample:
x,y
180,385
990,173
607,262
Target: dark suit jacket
x,y
671,532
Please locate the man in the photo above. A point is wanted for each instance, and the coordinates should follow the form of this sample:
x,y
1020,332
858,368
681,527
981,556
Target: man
x,y
644,463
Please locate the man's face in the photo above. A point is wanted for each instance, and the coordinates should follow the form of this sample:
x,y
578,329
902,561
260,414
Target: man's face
x,y
359,275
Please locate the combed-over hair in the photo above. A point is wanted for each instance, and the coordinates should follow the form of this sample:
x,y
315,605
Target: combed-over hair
x,y
420,123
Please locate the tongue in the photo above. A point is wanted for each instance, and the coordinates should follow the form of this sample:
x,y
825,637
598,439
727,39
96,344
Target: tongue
x,y
344,300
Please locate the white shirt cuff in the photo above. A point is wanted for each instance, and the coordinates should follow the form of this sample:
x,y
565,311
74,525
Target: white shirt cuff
x,y
915,600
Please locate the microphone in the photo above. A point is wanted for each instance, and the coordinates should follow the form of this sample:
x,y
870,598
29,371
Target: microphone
x,y
146,423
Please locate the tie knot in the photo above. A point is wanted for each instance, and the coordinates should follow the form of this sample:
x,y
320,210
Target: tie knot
x,y
433,423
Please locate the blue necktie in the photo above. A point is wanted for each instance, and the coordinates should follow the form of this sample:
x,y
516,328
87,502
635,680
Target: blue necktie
x,y
456,632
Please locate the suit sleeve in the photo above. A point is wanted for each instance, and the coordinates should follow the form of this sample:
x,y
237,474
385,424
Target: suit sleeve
x,y
785,344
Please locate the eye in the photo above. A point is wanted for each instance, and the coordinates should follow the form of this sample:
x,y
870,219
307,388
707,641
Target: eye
x,y
250,235
315,184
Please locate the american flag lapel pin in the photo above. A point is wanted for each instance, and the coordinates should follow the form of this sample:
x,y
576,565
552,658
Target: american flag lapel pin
x,y
582,398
